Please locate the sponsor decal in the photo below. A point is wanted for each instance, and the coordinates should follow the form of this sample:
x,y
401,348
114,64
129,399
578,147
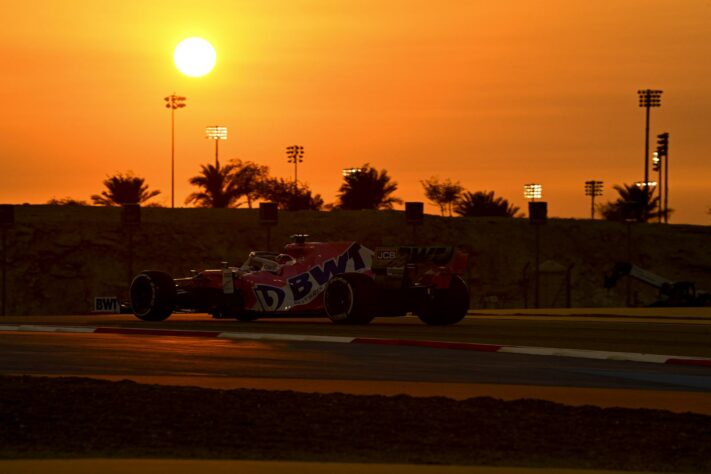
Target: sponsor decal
x,y
386,253
304,287
106,304
270,297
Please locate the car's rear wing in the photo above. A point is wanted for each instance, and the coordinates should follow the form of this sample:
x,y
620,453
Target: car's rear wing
x,y
434,255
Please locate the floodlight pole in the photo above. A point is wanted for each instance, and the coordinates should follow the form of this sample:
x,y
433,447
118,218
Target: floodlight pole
x,y
593,188
646,149
295,154
661,189
628,286
173,102
7,219
666,187
216,133
3,229
663,154
648,98
537,274
537,215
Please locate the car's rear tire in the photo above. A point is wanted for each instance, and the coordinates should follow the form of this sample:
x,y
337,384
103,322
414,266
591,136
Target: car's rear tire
x,y
152,296
349,298
445,306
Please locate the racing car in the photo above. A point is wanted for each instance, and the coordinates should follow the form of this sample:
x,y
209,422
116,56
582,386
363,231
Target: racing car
x,y
345,281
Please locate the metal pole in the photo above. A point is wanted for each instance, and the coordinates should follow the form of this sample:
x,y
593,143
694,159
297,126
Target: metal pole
x,y
592,203
536,276
568,286
4,270
269,238
661,191
666,187
646,149
296,175
629,260
172,157
130,255
217,161
525,280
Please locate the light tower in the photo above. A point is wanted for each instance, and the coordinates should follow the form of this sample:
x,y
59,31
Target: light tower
x,y
216,133
173,102
592,189
662,161
648,98
295,154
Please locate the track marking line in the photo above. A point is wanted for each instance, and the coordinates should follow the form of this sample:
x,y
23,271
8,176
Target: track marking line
x,y
465,346
468,346
586,354
41,328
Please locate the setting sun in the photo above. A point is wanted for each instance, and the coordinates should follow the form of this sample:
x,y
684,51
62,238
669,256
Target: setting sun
x,y
539,92
194,57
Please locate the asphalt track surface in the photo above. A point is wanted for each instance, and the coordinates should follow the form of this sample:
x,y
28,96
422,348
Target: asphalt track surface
x,y
328,367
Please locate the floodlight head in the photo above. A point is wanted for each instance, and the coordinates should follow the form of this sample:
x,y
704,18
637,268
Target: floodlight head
x,y
295,153
532,191
174,102
648,184
351,171
593,188
216,133
650,97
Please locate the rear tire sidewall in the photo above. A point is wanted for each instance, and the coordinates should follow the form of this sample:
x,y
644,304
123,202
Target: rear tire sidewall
x,y
445,306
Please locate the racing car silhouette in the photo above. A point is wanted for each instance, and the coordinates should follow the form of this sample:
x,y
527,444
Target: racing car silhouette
x,y
345,281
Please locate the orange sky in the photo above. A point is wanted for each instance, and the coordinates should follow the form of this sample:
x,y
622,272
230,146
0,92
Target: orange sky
x,y
493,94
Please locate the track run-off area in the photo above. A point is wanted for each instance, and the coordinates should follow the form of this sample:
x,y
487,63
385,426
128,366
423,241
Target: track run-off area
x,y
638,358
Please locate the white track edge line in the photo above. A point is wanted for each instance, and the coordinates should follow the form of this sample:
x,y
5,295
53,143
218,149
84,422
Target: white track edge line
x,y
526,350
40,328
592,354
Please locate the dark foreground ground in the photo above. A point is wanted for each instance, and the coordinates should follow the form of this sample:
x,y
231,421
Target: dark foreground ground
x,y
74,417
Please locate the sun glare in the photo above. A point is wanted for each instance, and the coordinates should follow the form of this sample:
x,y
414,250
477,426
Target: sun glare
x,y
194,57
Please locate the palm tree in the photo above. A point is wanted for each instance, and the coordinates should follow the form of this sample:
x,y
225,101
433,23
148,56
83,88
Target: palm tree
x,y
635,203
444,194
280,191
219,187
248,178
124,189
367,189
483,204
67,201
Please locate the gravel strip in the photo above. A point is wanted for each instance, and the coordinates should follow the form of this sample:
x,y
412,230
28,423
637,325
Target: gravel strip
x,y
73,417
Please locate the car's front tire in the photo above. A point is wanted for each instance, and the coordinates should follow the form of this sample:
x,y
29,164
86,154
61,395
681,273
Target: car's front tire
x,y
349,298
445,306
152,296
